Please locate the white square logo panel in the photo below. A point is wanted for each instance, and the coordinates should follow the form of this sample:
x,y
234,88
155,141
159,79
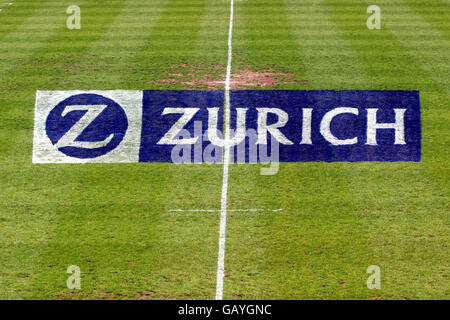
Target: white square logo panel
x,y
87,126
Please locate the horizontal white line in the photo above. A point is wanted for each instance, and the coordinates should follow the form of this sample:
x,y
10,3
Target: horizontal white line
x,y
231,210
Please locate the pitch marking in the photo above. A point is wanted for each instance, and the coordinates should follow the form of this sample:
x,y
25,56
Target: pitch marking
x,y
226,161
232,210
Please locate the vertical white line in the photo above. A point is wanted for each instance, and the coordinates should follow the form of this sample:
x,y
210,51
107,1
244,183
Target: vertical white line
x,y
226,161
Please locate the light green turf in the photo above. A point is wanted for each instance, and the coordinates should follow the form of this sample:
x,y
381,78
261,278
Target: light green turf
x,y
113,220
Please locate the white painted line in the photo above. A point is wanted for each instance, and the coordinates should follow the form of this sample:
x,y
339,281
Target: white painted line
x,y
226,160
232,210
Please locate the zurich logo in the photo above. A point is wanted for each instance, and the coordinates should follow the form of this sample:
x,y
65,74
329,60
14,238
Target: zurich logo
x,y
86,126
128,126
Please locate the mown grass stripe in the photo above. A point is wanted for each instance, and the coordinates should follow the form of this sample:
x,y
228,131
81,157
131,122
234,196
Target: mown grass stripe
x,y
211,42
13,17
367,207
323,51
144,239
434,13
112,220
167,46
111,55
403,190
262,32
415,24
50,13
270,253
15,108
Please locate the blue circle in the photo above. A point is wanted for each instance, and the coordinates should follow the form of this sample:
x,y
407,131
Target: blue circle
x,y
112,120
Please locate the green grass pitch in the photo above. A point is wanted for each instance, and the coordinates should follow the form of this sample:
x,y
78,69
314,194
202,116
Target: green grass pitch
x,y
113,220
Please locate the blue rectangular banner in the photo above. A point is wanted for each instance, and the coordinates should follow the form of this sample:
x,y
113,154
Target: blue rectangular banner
x,y
322,125
188,126
183,113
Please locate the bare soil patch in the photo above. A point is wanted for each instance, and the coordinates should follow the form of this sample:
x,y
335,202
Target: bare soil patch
x,y
212,77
